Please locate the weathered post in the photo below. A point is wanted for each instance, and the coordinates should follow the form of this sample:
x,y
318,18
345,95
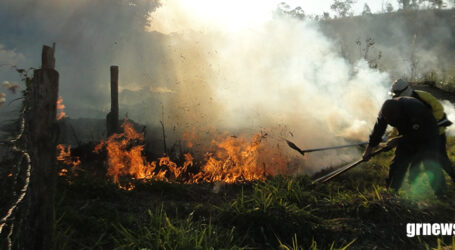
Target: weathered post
x,y
35,218
112,118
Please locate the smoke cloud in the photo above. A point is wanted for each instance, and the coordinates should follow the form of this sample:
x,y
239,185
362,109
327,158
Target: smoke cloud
x,y
9,57
406,44
275,73
90,36
237,66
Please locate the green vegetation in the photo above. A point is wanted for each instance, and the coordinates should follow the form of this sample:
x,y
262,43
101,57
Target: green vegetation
x,y
445,81
354,211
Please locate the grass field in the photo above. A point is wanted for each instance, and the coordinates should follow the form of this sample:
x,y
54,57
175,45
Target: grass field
x,y
353,211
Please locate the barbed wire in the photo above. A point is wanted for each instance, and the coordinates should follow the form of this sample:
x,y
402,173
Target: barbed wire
x,y
14,142
8,237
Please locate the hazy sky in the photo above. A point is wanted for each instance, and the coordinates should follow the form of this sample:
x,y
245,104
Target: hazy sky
x,y
317,7
91,35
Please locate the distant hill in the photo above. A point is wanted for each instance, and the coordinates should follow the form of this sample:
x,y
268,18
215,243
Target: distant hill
x,y
406,43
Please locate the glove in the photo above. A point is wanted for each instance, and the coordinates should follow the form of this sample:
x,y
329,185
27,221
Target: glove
x,y
444,122
393,142
367,154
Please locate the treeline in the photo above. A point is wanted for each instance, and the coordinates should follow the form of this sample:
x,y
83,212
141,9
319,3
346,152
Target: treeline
x,y
344,8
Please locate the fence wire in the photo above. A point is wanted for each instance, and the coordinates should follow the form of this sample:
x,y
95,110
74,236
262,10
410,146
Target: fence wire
x,y
14,143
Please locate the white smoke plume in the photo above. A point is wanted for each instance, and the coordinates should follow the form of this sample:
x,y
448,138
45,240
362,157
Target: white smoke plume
x,y
449,109
232,65
241,64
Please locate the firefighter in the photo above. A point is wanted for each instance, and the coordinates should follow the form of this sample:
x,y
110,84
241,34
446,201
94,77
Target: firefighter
x,y
418,143
403,88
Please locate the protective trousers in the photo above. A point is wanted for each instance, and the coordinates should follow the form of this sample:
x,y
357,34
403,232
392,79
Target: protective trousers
x,y
445,161
413,155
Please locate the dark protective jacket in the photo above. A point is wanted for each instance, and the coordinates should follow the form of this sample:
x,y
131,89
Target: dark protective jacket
x,y
416,124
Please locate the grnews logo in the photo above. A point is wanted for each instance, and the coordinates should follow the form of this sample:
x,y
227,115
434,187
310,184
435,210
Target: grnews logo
x,y
430,229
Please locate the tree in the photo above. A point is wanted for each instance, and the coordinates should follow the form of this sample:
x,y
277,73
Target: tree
x,y
364,51
437,3
389,8
298,13
342,8
366,10
285,9
414,4
404,4
325,16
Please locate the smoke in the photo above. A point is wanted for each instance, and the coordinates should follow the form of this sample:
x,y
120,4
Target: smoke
x,y
90,36
275,73
9,57
449,109
226,65
405,44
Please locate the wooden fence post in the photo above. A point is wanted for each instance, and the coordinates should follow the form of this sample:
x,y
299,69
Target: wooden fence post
x,y
112,125
35,219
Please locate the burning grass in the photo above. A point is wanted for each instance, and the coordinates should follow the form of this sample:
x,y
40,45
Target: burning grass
x,y
283,212
229,160
60,108
278,212
70,164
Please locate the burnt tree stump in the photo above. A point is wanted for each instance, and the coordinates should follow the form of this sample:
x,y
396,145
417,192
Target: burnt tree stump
x,y
35,218
112,123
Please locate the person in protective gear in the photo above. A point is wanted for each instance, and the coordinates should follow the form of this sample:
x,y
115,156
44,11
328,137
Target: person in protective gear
x,y
418,143
403,88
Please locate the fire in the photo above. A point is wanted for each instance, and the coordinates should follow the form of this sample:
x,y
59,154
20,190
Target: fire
x,y
63,172
124,152
240,160
60,108
189,137
231,159
65,158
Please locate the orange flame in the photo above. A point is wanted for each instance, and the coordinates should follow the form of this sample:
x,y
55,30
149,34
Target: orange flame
x,y
230,160
60,108
237,160
65,158
189,137
124,152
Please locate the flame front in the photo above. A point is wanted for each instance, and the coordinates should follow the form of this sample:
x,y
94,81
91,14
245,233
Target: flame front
x,y
125,159
237,160
230,159
67,159
60,108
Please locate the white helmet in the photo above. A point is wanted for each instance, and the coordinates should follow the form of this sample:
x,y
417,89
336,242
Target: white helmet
x,y
400,88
